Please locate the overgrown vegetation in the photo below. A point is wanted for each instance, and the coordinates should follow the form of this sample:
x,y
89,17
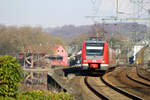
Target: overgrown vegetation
x,y
10,76
40,95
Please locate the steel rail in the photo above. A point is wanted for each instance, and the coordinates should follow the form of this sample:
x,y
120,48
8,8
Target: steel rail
x,y
145,84
132,96
100,95
141,75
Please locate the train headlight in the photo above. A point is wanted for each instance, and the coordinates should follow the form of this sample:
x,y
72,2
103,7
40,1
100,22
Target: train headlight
x,y
84,60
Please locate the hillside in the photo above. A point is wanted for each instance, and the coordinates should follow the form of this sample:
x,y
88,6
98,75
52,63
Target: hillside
x,y
70,31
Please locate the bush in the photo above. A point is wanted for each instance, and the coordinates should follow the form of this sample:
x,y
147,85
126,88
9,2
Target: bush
x,y
40,95
10,75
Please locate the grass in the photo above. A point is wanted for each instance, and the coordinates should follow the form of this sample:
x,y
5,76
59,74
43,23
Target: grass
x,y
40,95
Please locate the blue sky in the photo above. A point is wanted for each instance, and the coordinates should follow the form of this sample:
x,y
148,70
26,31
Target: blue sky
x,y
49,13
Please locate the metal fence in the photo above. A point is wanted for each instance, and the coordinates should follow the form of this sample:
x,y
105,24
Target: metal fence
x,y
34,80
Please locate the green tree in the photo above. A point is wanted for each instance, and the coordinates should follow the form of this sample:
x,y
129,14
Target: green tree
x,y
77,41
14,39
10,76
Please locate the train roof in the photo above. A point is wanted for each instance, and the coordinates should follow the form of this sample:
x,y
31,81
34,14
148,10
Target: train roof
x,y
95,41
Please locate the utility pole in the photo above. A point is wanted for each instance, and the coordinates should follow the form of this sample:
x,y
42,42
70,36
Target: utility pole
x,y
149,28
117,6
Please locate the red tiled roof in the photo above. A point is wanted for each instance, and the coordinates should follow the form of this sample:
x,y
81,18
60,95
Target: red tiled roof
x,y
39,49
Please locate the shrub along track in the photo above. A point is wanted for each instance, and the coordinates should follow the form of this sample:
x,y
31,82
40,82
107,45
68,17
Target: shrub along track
x,y
119,78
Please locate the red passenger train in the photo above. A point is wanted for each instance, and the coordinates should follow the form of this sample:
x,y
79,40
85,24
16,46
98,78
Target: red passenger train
x,y
96,54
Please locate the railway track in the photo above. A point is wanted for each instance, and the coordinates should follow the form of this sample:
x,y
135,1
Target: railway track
x,y
129,95
100,95
112,91
141,75
136,80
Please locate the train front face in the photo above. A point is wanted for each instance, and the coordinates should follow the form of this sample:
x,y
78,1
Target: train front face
x,y
95,55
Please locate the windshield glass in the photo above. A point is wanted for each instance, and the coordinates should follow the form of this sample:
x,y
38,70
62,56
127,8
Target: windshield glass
x,y
95,49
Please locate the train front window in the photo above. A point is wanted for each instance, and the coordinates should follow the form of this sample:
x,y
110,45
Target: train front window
x,y
94,49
